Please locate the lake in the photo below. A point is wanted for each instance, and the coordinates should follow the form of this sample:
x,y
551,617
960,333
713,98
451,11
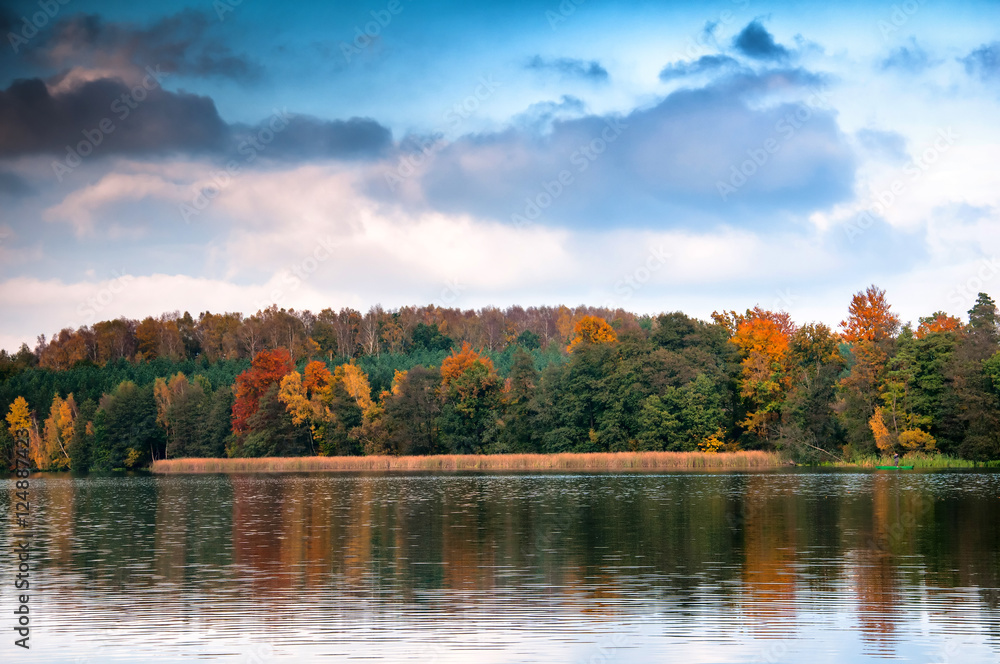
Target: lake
x,y
779,566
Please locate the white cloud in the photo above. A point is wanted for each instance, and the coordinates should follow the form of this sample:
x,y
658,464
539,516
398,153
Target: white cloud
x,y
81,207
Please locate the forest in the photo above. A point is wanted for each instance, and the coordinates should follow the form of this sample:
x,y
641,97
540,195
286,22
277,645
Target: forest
x,y
427,380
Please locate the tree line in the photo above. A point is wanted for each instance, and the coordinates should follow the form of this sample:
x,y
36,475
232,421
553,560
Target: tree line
x,y
551,379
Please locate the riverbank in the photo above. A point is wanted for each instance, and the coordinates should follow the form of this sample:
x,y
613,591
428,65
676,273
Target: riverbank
x,y
609,462
917,460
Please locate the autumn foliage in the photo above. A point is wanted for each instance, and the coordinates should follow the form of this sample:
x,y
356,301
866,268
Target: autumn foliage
x,y
763,338
430,380
356,384
267,369
593,330
869,317
937,323
462,360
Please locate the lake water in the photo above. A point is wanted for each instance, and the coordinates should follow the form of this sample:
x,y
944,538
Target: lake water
x,y
710,567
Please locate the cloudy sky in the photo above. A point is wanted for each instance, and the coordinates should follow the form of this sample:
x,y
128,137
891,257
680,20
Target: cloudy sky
x,y
650,155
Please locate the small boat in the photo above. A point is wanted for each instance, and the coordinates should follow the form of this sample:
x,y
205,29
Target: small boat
x,y
894,467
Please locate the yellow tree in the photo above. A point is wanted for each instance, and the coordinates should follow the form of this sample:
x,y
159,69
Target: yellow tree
x,y
883,439
19,417
306,397
57,433
315,398
294,395
20,422
593,330
355,381
565,319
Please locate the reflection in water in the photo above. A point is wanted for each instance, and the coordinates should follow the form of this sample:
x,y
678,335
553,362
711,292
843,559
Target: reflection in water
x,y
765,567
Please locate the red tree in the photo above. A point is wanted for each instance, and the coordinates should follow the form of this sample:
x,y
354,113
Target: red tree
x,y
268,368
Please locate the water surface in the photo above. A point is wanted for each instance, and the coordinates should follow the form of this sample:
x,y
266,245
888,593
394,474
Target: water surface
x,y
688,567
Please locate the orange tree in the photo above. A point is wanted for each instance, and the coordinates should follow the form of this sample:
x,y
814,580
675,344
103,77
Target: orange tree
x,y
869,330
592,330
763,338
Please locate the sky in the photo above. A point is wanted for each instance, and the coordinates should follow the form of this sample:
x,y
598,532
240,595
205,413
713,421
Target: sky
x,y
655,156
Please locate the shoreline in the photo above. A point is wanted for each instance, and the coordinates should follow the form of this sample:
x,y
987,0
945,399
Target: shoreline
x,y
596,461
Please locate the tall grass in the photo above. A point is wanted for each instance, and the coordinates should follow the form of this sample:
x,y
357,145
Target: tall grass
x,y
620,461
918,460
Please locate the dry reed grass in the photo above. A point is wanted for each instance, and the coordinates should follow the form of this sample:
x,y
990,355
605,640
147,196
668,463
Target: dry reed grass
x,y
611,462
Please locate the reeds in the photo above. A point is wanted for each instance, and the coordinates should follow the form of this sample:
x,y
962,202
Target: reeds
x,y
918,460
609,462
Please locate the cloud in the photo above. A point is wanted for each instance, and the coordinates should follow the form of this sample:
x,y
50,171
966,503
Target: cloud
x,y
756,42
570,67
984,62
912,59
886,144
657,166
187,43
307,137
541,115
79,207
148,120
704,64
37,121
12,184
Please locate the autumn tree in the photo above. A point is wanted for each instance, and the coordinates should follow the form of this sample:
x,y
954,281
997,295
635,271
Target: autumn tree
x,y
592,330
57,434
219,335
19,417
870,318
20,423
763,338
869,330
267,369
331,405
937,323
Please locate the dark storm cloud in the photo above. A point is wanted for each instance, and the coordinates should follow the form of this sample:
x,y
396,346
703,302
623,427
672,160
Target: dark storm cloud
x,y
704,64
756,42
659,166
148,120
984,62
186,43
591,70
35,121
911,59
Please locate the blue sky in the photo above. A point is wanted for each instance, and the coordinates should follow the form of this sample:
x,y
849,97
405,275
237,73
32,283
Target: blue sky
x,y
652,156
